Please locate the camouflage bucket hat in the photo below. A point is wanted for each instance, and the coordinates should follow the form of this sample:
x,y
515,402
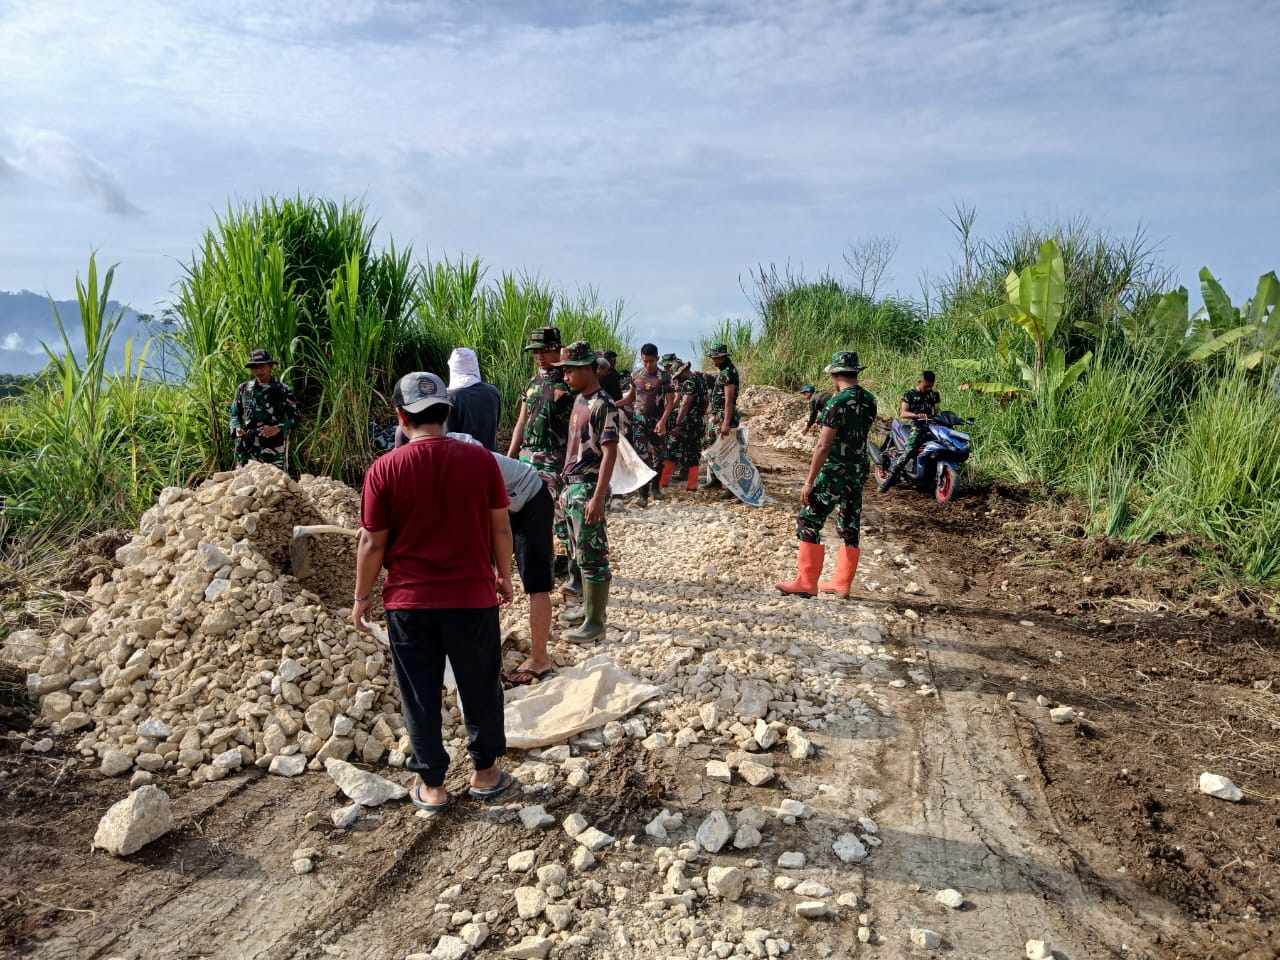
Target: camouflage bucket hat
x,y
718,350
669,359
544,338
844,361
678,367
577,354
260,356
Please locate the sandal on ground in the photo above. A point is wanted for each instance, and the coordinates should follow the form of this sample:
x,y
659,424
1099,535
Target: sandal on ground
x,y
505,782
522,676
416,799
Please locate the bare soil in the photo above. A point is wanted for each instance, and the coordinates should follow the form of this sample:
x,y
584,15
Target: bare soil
x,y
1091,834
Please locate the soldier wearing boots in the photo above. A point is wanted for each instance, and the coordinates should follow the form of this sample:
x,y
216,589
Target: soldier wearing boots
x,y
654,400
724,400
837,473
684,451
542,428
263,414
592,450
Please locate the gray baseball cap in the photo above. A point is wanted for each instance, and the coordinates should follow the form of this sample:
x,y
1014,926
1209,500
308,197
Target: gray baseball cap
x,y
416,391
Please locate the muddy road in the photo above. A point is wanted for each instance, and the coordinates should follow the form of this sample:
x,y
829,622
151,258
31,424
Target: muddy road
x,y
919,696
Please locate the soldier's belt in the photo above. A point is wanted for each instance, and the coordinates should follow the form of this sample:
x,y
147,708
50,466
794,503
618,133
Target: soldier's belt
x,y
581,478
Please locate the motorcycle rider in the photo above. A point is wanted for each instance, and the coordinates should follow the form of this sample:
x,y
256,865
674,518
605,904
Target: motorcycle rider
x,y
918,405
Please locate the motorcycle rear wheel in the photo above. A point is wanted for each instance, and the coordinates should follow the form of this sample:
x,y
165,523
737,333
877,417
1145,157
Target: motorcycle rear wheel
x,y
948,483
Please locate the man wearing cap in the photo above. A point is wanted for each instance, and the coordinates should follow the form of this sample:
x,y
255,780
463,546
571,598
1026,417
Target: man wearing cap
x,y
684,451
818,400
263,414
434,513
655,394
542,428
723,416
837,473
592,451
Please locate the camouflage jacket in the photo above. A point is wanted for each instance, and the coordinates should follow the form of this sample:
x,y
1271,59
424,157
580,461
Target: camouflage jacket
x,y
548,403
922,401
850,413
651,392
726,377
257,405
595,422
817,403
696,388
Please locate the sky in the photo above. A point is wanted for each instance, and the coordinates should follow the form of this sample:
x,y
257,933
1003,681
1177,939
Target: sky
x,y
656,151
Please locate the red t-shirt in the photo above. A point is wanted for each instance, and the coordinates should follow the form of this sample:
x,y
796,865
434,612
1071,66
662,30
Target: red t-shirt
x,y
433,498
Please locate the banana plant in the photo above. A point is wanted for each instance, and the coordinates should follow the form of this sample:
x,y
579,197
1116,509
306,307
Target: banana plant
x,y
1036,299
1225,323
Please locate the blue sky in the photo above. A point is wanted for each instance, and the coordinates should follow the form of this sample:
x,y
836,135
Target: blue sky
x,y
657,151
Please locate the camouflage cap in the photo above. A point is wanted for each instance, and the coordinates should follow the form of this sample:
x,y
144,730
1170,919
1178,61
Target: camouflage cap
x,y
577,354
260,356
718,350
668,359
844,361
678,367
544,338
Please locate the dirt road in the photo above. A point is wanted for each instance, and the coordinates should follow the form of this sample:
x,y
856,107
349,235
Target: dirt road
x,y
1089,834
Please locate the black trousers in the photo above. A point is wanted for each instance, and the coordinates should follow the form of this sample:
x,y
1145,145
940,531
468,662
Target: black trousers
x,y
420,641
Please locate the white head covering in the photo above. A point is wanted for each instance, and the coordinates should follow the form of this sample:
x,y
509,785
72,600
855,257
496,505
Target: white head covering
x,y
464,368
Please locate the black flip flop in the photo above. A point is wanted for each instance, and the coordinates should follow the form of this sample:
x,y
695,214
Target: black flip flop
x,y
522,676
505,782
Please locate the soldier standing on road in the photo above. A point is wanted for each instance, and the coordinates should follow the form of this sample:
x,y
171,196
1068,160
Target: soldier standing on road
x,y
263,414
542,428
918,405
655,394
818,400
684,450
592,451
837,473
724,400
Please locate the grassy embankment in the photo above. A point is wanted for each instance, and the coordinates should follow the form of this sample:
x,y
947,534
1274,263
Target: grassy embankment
x,y
84,447
1163,424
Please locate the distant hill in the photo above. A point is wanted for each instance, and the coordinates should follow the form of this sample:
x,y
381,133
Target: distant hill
x,y
26,319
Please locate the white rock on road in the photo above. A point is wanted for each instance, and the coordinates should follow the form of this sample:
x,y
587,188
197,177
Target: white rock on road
x,y
950,898
714,832
593,839
530,948
791,860
115,762
291,766
849,848
1039,950
536,817
1216,785
449,948
134,822
365,788
929,939
812,909
1062,714
726,882
530,902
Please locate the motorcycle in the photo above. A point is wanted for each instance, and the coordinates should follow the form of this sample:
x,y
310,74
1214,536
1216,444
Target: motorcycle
x,y
937,465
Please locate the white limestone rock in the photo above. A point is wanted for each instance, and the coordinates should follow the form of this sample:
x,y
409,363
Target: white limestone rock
x,y
593,839
530,948
726,882
521,862
756,774
753,699
791,860
365,788
1215,785
115,762
135,821
714,832
1039,950
849,848
535,817
291,766
812,909
1062,714
747,838
574,824
719,770
530,902
928,939
449,947
345,817
952,899
812,889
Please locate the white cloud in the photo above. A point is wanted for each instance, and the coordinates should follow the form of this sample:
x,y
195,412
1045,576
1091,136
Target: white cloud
x,y
55,158
11,341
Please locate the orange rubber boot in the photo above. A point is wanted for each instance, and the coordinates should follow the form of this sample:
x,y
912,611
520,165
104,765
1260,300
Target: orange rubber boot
x,y
809,567
668,469
693,479
846,567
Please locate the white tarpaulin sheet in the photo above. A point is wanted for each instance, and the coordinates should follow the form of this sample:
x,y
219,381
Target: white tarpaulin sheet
x,y
728,460
573,700
630,473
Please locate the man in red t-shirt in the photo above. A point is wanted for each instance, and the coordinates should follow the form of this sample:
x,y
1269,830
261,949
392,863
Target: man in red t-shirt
x,y
434,513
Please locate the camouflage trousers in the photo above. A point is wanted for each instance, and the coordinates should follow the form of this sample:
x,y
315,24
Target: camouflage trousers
x,y
550,474
588,542
685,448
651,446
252,450
841,489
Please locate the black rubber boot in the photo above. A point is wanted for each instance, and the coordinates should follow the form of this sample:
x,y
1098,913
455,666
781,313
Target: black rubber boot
x,y
657,490
596,601
573,586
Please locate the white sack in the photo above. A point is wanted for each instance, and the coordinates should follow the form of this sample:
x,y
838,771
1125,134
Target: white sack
x,y
630,473
728,460
571,701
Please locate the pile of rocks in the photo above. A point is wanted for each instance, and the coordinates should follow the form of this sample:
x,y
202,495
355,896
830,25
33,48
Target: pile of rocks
x,y
202,655
776,417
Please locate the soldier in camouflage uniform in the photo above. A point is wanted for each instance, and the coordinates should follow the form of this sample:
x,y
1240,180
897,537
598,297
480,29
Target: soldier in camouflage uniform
x,y
668,361
655,394
263,414
684,450
917,406
837,473
594,431
723,416
542,428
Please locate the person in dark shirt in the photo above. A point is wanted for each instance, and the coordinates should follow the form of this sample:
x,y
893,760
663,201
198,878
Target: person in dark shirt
x,y
918,405
477,406
610,377
817,403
